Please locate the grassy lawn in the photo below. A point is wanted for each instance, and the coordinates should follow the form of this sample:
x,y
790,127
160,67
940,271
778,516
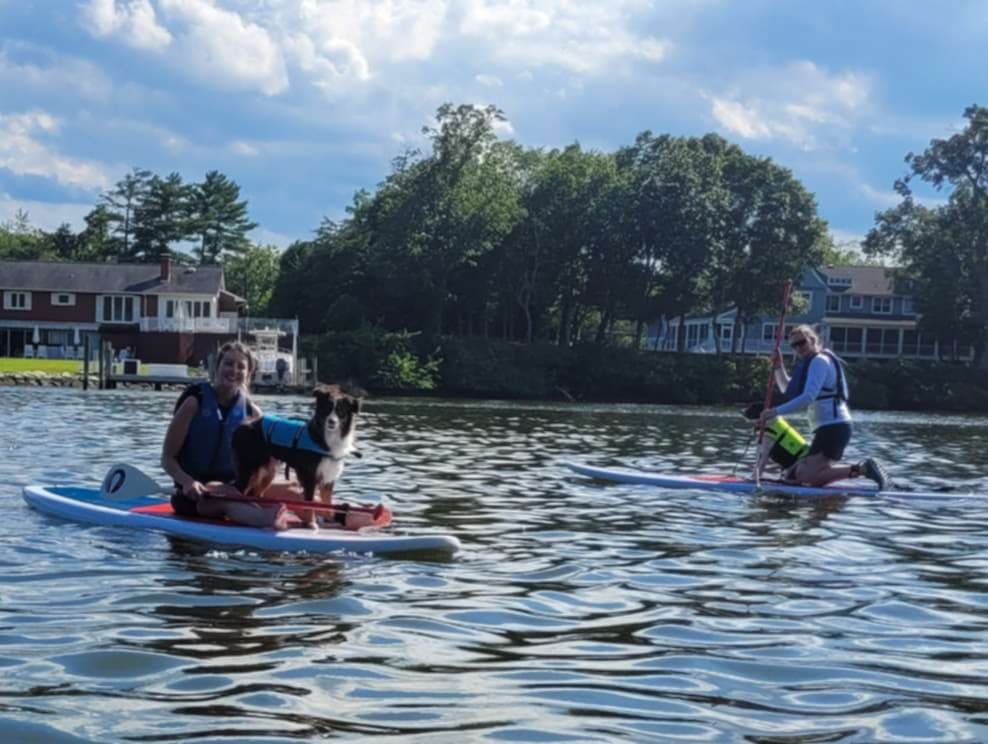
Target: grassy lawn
x,y
50,366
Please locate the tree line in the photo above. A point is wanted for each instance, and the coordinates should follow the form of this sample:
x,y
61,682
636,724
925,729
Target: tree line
x,y
477,236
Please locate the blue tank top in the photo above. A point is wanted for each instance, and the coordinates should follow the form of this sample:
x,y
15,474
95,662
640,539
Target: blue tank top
x,y
206,453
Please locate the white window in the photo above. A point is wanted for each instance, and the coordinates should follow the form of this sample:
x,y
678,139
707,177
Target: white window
x,y
63,298
833,303
881,305
195,308
14,300
839,281
117,309
908,306
856,302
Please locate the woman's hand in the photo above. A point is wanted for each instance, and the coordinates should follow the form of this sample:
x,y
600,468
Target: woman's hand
x,y
193,489
776,358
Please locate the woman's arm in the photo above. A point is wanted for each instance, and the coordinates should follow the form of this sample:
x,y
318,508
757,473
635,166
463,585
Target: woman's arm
x,y
815,377
178,430
781,376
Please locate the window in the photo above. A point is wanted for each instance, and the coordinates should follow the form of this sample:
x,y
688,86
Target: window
x,y
768,331
839,281
908,306
833,303
170,308
58,338
882,340
856,302
118,309
881,305
16,300
62,298
197,308
805,301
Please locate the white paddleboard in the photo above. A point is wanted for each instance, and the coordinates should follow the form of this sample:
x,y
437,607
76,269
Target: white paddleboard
x,y
150,513
732,484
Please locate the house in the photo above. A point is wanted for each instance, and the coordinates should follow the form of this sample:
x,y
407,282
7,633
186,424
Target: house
x,y
164,312
860,312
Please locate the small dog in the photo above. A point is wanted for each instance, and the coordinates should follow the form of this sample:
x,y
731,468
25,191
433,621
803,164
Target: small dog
x,y
314,449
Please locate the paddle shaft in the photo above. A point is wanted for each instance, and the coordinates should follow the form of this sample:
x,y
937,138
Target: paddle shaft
x,y
296,505
779,331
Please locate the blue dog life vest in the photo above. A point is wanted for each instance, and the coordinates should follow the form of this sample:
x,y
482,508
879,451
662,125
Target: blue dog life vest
x,y
206,452
290,434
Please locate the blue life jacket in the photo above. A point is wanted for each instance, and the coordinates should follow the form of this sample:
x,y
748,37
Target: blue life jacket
x,y
290,434
801,371
206,453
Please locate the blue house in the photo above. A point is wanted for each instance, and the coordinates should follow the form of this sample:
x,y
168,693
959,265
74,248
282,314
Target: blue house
x,y
861,312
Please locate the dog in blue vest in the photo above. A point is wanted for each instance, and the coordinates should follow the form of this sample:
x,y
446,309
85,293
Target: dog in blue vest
x,y
314,449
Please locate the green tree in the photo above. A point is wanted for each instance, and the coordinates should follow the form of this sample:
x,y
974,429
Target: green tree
x,y
121,205
253,274
96,242
945,250
21,241
161,218
218,219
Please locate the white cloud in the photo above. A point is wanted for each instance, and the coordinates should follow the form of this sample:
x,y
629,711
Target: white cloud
x,y
45,215
578,37
134,22
52,74
244,148
801,104
264,236
489,81
23,152
224,49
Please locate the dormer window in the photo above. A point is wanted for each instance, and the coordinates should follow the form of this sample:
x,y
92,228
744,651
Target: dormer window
x,y
839,281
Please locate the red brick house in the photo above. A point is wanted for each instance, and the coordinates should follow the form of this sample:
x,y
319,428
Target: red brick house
x,y
165,313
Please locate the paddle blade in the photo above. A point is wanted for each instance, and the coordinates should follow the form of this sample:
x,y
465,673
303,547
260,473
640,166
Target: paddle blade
x,y
124,481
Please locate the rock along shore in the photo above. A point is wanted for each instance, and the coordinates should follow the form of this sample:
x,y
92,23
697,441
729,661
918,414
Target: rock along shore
x,y
63,379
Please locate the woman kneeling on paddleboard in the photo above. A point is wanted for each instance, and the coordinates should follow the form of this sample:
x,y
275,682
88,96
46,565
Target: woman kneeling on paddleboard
x,y
819,385
196,452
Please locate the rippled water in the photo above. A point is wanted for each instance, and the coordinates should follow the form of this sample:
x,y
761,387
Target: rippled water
x,y
578,611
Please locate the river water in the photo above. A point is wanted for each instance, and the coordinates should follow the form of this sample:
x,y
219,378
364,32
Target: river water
x,y
578,611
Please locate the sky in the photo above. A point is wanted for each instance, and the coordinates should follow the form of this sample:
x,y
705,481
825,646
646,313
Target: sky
x,y
304,102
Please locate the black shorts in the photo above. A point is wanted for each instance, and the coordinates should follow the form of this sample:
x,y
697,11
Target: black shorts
x,y
183,505
830,441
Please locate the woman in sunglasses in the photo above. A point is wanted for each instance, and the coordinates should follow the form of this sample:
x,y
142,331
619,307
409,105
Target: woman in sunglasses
x,y
818,385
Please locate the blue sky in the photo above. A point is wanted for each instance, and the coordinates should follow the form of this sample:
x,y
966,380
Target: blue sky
x,y
302,102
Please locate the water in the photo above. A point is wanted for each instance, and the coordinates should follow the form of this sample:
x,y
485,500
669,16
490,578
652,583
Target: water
x,y
579,611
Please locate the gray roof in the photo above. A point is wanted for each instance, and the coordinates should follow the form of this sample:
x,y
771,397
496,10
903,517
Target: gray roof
x,y
865,280
57,276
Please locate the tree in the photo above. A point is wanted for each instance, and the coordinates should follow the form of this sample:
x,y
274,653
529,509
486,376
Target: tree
x,y
945,250
161,218
252,274
218,219
21,241
95,242
121,205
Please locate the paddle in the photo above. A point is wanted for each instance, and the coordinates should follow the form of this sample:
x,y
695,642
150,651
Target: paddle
x,y
125,481
770,386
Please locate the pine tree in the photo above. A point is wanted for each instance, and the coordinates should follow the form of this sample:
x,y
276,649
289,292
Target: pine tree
x,y
219,220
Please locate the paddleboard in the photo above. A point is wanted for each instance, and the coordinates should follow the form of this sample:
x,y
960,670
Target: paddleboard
x,y
733,484
151,513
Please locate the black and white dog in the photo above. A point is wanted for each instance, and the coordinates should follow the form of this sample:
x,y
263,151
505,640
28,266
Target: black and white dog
x,y
314,449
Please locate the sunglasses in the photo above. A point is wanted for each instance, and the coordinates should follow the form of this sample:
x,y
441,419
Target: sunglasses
x,y
798,344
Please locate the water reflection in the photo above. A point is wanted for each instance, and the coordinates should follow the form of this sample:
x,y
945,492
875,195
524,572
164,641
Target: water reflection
x,y
578,611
